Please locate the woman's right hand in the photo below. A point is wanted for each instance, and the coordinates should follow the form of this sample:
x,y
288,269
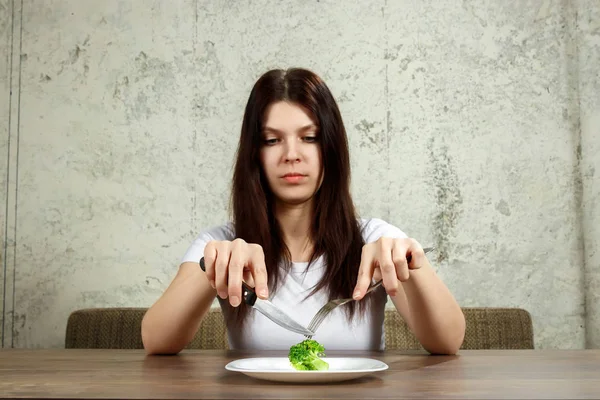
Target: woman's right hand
x,y
228,263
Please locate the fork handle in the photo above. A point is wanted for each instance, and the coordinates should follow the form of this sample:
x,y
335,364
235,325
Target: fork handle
x,y
374,286
408,260
380,282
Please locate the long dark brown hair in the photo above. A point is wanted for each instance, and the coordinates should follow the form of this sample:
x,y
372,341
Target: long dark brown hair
x,y
335,229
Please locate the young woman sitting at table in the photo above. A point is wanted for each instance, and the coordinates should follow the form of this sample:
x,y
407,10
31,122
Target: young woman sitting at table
x,y
295,236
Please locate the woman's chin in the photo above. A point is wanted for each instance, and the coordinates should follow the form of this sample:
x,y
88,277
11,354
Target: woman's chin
x,y
294,200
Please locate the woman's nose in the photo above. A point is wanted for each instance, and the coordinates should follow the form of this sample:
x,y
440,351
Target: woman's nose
x,y
291,153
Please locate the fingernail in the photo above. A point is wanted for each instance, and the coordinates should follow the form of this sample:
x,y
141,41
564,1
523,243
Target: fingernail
x,y
356,294
223,295
263,293
235,301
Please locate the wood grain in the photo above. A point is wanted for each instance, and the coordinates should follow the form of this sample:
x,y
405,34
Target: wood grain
x,y
130,374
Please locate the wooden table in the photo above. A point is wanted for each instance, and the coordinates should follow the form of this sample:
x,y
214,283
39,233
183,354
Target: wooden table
x,y
130,374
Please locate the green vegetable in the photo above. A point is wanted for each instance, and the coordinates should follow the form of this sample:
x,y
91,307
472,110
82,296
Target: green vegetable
x,y
306,356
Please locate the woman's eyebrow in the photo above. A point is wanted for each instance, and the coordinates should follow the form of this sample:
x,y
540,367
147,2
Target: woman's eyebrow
x,y
302,129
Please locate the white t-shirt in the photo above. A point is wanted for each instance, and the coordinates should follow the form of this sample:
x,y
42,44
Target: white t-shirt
x,y
335,333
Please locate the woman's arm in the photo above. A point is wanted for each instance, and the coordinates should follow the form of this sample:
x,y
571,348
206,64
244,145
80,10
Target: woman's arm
x,y
171,323
419,295
430,311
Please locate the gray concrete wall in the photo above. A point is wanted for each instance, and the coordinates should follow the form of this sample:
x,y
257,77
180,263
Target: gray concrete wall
x,y
473,127
6,100
589,90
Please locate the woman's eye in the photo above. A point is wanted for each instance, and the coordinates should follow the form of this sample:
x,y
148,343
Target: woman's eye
x,y
310,139
270,142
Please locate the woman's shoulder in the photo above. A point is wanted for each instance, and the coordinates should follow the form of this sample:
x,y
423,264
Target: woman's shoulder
x,y
374,228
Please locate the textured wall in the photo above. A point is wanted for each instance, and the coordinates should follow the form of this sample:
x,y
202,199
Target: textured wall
x,y
7,197
5,37
463,122
589,88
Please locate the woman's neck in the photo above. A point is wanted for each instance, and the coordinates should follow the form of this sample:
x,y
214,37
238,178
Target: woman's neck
x,y
295,224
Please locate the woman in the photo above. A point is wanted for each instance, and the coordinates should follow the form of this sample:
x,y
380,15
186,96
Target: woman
x,y
296,238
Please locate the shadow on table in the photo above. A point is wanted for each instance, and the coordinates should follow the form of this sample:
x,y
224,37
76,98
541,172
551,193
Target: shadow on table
x,y
237,378
409,363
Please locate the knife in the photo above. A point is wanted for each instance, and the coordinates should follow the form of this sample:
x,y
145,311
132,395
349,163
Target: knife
x,y
268,309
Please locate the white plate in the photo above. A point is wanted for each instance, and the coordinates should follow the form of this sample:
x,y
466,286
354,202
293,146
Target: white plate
x,y
279,369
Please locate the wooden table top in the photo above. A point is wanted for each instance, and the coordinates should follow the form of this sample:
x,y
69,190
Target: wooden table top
x,y
130,374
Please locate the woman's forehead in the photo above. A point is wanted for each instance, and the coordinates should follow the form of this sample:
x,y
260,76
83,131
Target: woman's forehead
x,y
284,116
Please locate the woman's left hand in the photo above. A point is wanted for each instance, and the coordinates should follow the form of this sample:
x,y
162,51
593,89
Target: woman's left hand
x,y
387,259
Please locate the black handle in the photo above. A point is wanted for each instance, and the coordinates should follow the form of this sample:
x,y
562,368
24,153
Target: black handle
x,y
248,294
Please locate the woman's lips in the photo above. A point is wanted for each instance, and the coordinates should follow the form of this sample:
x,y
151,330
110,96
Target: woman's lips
x,y
293,177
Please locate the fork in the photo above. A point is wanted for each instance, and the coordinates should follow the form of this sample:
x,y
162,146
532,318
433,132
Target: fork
x,y
333,304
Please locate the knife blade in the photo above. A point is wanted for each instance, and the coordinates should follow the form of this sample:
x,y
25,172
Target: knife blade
x,y
268,309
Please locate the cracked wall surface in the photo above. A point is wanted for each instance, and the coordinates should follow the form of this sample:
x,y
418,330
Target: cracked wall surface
x,y
473,126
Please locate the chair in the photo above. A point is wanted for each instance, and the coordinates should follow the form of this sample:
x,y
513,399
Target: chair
x,y
486,329
120,328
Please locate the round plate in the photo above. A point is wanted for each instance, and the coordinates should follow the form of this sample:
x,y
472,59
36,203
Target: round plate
x,y
279,369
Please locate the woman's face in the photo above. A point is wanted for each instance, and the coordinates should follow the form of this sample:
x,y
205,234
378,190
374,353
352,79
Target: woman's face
x,y
290,154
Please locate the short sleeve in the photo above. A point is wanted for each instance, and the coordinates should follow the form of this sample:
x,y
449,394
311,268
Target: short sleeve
x,y
196,250
375,228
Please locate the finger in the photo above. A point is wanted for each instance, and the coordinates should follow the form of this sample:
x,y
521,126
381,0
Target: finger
x,y
377,274
258,270
388,269
210,256
237,261
221,268
365,272
417,256
399,250
247,277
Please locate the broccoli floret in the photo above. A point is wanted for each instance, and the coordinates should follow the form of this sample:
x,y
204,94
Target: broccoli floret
x,y
306,356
